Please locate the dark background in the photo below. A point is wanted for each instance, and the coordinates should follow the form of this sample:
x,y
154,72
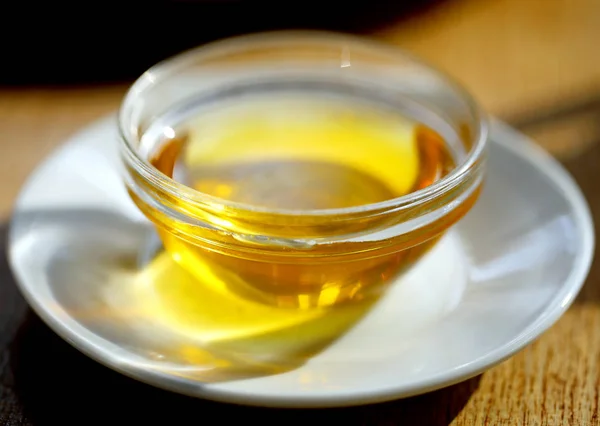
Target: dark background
x,y
52,42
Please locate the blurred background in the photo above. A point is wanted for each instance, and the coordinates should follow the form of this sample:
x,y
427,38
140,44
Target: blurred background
x,y
533,63
103,42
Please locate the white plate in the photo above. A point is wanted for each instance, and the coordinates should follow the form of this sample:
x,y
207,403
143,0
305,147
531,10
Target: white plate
x,y
496,282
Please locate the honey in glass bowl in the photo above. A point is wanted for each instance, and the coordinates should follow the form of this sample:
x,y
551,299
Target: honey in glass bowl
x,y
294,175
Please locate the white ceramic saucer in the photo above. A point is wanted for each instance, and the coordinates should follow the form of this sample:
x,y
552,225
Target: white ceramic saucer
x,y
497,281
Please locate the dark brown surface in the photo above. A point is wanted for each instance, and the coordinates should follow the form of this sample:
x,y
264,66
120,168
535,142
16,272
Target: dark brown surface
x,y
543,73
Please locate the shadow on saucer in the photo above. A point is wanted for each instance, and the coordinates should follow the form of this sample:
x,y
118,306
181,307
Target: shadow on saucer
x,y
44,380
156,312
56,384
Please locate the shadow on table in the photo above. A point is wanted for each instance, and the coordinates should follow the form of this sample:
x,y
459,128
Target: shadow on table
x,y
44,380
58,385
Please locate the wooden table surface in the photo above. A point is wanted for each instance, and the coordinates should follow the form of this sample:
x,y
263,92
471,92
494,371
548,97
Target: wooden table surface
x,y
534,63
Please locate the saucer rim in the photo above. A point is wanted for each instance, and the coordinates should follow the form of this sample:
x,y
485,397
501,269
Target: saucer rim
x,y
501,134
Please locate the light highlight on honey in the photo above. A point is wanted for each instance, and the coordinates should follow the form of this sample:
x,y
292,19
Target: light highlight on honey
x,y
300,154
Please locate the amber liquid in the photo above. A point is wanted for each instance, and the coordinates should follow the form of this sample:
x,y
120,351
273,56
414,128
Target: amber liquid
x,y
294,154
298,154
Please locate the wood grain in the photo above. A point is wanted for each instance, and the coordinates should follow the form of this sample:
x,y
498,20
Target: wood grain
x,y
514,55
34,122
518,57
555,381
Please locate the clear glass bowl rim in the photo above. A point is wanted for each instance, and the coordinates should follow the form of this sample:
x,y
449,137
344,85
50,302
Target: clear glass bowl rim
x,y
172,65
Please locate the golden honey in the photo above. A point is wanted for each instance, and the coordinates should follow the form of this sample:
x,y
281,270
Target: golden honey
x,y
285,169
292,178
230,336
